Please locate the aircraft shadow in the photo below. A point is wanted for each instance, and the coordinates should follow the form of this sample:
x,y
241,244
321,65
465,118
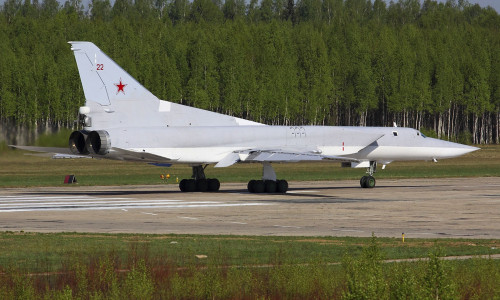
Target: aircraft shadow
x,y
292,192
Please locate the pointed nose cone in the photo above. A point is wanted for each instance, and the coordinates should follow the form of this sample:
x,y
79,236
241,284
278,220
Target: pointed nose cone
x,y
468,149
450,149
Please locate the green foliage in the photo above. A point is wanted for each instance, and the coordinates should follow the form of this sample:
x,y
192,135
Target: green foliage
x,y
429,132
437,282
3,146
465,137
59,139
404,281
478,279
330,62
138,283
364,275
23,286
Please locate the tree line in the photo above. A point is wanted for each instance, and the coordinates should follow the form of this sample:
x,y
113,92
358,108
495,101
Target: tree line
x,y
432,66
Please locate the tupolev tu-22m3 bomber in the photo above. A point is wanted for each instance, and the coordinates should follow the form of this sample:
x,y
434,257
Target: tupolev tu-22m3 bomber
x,y
122,120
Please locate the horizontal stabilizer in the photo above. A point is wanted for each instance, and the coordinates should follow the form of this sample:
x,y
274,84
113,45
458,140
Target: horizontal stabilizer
x,y
57,152
43,149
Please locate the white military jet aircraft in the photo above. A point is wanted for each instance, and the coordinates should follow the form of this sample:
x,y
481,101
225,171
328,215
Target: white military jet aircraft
x,y
122,120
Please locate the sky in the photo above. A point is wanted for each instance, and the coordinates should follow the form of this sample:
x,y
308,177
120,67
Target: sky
x,y
483,3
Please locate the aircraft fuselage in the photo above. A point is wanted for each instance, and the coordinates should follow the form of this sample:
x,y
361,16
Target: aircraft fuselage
x,y
210,144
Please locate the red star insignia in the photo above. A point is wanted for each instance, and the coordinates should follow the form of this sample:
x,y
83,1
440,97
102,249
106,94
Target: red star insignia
x,y
120,87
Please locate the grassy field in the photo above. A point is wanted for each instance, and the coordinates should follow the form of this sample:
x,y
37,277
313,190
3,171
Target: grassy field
x,y
38,252
22,169
96,266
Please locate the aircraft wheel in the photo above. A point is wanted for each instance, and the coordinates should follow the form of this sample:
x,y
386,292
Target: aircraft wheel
x,y
370,182
281,186
362,182
270,186
367,182
251,185
213,184
190,185
182,185
259,186
201,185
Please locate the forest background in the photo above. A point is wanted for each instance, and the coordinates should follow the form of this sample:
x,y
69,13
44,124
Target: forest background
x,y
432,66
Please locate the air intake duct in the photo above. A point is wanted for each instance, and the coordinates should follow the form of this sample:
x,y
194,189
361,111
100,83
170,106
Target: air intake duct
x,y
77,143
98,142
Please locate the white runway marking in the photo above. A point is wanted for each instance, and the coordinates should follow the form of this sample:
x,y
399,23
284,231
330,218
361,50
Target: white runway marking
x,y
284,226
146,213
82,202
189,218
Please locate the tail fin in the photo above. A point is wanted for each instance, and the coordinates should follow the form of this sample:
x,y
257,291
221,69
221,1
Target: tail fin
x,y
103,80
114,98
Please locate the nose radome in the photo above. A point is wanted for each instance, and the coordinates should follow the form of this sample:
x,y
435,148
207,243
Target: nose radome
x,y
469,149
455,149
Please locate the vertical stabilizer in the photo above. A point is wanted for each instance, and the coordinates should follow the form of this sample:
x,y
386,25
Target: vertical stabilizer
x,y
116,99
103,80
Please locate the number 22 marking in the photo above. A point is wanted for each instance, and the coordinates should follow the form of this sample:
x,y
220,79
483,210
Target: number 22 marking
x,y
100,67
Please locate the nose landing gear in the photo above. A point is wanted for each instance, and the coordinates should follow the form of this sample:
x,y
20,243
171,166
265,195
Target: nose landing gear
x,y
369,181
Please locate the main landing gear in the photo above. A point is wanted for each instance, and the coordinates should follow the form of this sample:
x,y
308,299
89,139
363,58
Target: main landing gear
x,y
269,183
369,181
199,183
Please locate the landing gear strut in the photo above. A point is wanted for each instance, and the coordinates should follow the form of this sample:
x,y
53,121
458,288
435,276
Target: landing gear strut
x,y
269,183
199,183
369,181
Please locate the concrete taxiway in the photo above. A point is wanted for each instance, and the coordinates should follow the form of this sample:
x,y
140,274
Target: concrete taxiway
x,y
423,208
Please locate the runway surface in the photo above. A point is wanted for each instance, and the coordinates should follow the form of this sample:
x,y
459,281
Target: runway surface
x,y
426,208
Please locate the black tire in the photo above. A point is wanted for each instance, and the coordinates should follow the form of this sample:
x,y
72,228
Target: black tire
x,y
281,186
190,185
362,181
270,186
259,186
213,185
251,185
286,184
370,182
182,185
201,185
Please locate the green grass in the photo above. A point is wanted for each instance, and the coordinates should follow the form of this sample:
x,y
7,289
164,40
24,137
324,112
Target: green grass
x,y
134,266
22,169
36,252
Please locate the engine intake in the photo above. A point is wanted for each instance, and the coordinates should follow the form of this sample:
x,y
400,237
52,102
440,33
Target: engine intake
x,y
98,142
77,143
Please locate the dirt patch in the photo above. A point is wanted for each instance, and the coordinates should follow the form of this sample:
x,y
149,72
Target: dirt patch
x,y
322,241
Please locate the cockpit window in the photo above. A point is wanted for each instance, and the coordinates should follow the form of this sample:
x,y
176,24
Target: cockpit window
x,y
420,133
